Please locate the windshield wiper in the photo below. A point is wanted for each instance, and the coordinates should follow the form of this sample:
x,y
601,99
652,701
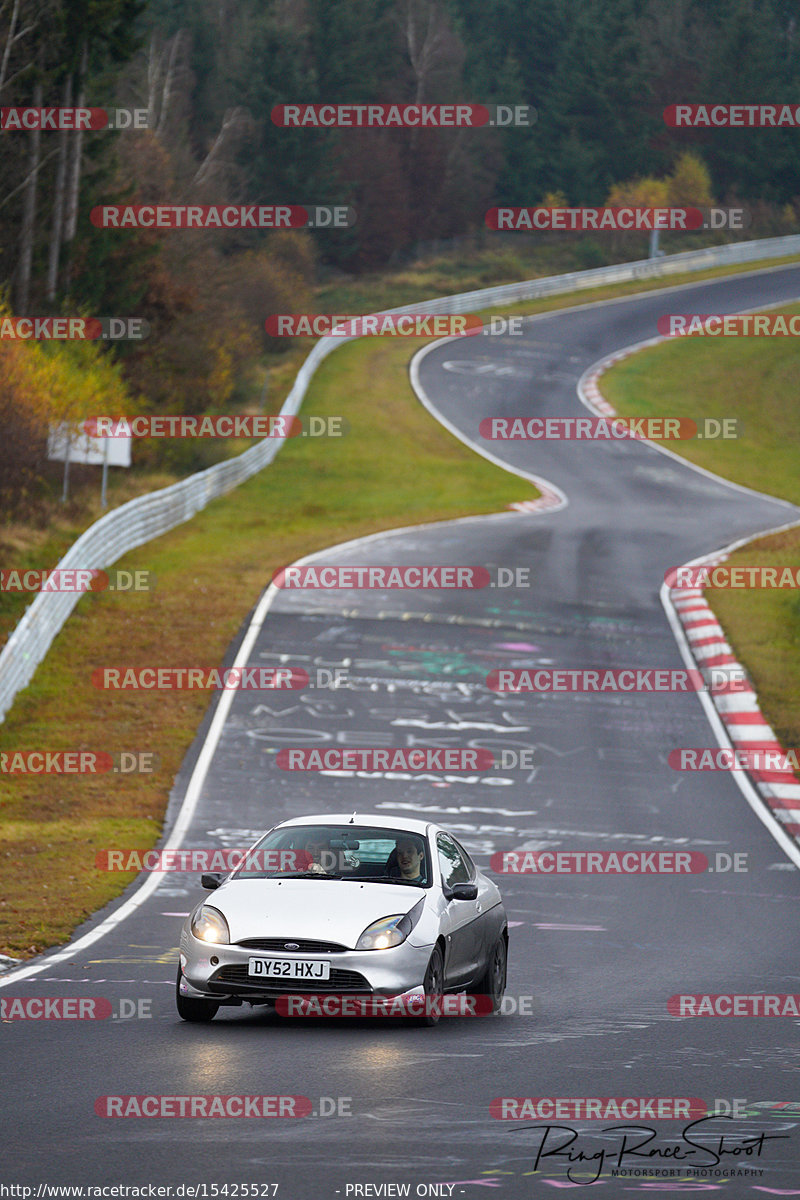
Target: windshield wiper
x,y
301,875
390,879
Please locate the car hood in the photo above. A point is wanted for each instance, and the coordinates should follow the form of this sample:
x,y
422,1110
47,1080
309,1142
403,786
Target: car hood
x,y
333,910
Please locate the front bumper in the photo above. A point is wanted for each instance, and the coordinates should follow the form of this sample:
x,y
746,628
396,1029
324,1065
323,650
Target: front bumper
x,y
219,971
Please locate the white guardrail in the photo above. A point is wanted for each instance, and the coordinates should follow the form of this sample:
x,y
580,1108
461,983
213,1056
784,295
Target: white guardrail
x,y
147,517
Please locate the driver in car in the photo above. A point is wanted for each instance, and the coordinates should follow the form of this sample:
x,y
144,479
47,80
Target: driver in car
x,y
322,857
409,860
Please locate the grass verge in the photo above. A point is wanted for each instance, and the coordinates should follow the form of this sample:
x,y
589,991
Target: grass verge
x,y
754,380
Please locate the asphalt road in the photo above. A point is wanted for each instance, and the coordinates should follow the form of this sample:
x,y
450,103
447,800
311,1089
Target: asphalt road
x,y
593,959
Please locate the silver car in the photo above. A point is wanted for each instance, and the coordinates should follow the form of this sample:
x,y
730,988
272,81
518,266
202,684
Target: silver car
x,y
343,907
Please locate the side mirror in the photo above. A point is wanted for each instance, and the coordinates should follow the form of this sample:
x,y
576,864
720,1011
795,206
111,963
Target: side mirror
x,y
210,881
462,891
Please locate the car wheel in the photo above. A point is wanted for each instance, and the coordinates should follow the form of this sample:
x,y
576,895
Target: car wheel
x,y
493,982
192,1009
434,989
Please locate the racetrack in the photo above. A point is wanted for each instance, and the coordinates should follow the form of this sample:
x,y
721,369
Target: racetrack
x,y
593,959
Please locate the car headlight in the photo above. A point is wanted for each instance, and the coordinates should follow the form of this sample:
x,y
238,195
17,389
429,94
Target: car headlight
x,y
209,925
390,931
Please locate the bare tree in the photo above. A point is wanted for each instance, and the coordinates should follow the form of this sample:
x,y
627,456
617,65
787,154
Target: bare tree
x,y
165,65
28,226
59,193
76,150
429,41
234,124
14,35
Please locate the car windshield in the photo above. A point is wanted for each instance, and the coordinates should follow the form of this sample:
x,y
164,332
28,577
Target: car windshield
x,y
339,852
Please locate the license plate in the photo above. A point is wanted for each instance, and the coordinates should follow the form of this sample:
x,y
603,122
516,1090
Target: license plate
x,y
288,968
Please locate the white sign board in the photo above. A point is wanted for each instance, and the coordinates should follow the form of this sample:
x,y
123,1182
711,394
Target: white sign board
x,y
116,452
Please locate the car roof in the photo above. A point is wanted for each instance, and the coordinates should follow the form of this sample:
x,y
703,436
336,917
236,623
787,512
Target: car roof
x,y
379,821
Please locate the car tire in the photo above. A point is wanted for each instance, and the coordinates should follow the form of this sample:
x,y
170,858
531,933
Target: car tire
x,y
192,1009
493,981
434,988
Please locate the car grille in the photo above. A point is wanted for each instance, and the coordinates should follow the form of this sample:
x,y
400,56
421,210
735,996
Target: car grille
x,y
236,974
304,945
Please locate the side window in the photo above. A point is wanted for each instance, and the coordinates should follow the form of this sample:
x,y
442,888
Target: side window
x,y
451,862
467,860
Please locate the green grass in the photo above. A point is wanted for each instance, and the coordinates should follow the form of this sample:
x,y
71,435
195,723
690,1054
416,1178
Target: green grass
x,y
757,381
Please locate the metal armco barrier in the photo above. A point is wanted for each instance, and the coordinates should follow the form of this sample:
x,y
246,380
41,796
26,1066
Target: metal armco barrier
x,y
147,517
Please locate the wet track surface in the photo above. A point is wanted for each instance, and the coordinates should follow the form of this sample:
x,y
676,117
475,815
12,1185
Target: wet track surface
x,y
593,959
